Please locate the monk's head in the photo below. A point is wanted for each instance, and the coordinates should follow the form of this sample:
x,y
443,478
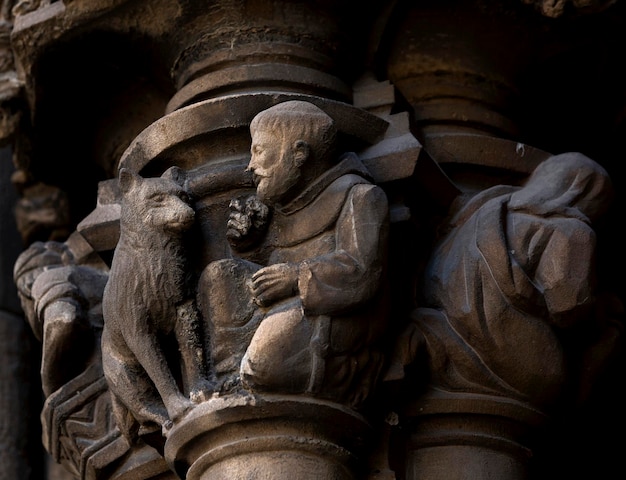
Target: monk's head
x,y
292,143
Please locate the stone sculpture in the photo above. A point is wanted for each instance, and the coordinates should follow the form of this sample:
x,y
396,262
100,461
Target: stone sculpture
x,y
147,300
296,315
305,306
143,337
60,285
62,302
510,282
514,273
293,281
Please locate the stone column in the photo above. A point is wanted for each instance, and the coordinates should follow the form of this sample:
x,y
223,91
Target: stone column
x,y
269,436
469,437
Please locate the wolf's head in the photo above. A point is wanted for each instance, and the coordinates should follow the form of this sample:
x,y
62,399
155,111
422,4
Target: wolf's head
x,y
159,203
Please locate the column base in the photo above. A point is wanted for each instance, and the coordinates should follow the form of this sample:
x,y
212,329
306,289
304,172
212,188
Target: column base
x,y
268,437
460,436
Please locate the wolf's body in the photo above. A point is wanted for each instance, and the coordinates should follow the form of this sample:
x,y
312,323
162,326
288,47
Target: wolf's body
x,y
145,302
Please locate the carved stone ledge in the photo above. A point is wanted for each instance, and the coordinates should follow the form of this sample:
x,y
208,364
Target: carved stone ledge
x,y
278,437
475,436
84,420
188,136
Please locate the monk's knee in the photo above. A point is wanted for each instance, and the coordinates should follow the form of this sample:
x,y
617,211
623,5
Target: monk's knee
x,y
279,355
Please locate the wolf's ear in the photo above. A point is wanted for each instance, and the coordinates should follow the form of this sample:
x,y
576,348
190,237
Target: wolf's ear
x,y
176,174
127,179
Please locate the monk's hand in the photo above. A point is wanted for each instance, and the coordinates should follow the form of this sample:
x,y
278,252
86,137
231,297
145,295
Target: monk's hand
x,y
274,283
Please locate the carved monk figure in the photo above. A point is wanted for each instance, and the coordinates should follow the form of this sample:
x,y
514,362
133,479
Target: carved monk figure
x,y
301,308
514,273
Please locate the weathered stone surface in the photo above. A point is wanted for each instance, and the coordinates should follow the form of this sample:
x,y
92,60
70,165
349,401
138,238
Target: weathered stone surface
x,y
147,300
402,300
285,437
497,309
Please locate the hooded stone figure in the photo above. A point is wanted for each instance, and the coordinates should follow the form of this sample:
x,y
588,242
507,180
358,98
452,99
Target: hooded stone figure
x,y
514,272
305,316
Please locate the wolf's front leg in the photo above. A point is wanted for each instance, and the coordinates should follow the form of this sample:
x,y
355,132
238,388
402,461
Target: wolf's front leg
x,y
149,352
197,381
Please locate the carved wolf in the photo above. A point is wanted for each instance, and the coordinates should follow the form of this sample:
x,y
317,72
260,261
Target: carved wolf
x,y
145,303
